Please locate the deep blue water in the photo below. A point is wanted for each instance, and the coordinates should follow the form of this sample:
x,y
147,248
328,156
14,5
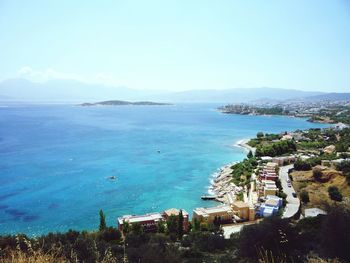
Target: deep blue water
x,y
55,160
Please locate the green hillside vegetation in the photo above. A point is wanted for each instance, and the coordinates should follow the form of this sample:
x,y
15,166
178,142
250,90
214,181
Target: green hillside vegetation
x,y
242,171
272,240
276,148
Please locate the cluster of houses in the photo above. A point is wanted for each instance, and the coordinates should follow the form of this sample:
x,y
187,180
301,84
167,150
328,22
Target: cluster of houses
x,y
267,189
224,214
235,212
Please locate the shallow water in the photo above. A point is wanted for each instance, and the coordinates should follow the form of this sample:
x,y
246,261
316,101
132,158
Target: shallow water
x,y
55,161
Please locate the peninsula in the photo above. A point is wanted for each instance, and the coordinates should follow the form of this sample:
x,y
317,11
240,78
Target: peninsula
x,y
123,103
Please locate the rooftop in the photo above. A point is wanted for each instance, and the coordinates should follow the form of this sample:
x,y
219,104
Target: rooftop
x,y
175,212
274,197
240,204
313,212
212,210
140,218
271,202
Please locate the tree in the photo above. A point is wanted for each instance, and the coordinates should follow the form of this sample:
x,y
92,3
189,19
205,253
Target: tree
x,y
304,196
161,227
103,225
250,154
137,229
172,224
110,234
272,234
126,228
335,233
259,135
317,174
341,147
180,224
217,223
344,167
301,165
335,194
196,225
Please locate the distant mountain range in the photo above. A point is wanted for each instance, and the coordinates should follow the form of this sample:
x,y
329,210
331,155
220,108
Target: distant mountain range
x,y
122,103
331,96
77,92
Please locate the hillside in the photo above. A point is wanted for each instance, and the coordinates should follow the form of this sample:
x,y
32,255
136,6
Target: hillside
x,y
331,97
318,191
75,91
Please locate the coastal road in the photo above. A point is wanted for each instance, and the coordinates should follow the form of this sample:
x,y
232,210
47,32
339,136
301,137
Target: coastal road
x,y
293,203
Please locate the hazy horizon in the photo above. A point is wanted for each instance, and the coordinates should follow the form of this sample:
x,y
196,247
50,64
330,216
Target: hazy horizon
x,y
178,46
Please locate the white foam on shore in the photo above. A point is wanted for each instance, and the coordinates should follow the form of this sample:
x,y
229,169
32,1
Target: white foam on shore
x,y
241,144
217,174
210,190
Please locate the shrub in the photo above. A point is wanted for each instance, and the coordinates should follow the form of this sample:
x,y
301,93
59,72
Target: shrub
x,y
301,165
276,148
335,194
110,234
317,174
259,135
344,167
304,196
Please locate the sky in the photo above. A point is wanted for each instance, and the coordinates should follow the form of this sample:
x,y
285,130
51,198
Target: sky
x,y
179,45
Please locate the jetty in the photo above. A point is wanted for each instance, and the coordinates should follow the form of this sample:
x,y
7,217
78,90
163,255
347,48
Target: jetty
x,y
208,197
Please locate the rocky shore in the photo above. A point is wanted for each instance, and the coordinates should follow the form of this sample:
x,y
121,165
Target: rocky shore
x,y
222,186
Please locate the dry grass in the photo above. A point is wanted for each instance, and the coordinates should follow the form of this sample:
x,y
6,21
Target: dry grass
x,y
266,256
318,192
34,257
28,251
320,260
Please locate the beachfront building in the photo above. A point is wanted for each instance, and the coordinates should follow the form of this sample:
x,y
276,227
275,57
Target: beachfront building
x,y
271,206
176,212
149,222
269,172
266,187
223,213
284,160
241,209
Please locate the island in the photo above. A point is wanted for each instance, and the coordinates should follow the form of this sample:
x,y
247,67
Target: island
x,y
123,103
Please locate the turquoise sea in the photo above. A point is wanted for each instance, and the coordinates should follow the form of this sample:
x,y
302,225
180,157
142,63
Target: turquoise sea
x,y
55,160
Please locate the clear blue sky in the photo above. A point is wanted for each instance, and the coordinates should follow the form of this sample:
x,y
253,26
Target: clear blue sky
x,y
179,45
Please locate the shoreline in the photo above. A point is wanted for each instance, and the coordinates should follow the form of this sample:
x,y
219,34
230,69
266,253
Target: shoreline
x,y
244,144
221,186
308,118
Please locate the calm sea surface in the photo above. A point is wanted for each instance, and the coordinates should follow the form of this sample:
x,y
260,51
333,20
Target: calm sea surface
x,y
55,161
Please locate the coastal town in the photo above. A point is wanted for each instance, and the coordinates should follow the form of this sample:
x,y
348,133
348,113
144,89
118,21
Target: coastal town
x,y
268,182
322,111
288,200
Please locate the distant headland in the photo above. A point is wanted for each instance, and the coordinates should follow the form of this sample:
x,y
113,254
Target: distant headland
x,y
123,103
